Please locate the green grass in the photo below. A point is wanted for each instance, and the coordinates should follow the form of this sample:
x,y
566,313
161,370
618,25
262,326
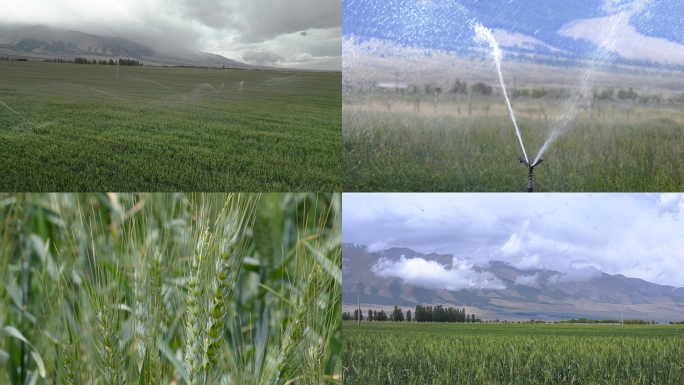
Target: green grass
x,y
412,353
280,133
400,151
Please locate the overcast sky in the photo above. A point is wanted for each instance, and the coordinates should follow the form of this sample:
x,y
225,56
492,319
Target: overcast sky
x,y
284,33
637,235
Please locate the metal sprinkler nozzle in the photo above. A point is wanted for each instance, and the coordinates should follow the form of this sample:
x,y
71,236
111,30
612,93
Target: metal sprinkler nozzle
x,y
530,166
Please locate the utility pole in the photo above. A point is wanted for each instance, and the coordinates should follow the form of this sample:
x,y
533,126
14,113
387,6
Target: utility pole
x,y
117,63
622,311
359,290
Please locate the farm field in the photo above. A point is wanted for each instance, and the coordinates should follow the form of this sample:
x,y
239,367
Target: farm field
x,y
167,129
419,353
390,144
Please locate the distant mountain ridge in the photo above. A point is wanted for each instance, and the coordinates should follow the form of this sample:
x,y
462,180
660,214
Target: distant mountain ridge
x,y
39,41
547,296
447,25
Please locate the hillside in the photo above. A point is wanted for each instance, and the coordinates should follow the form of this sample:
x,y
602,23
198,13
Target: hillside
x,y
41,42
540,294
637,31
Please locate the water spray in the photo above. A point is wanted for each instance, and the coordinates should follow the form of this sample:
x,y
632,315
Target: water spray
x,y
107,93
530,166
207,84
484,35
27,121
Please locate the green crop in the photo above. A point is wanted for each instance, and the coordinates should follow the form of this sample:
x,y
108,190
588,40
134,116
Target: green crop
x,y
419,353
166,129
170,288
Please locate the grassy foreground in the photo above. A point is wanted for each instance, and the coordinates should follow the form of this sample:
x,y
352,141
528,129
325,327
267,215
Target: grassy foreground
x,y
170,288
403,151
167,129
419,353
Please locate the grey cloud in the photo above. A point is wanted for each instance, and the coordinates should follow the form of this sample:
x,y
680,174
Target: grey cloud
x,y
262,57
527,280
580,275
217,26
259,20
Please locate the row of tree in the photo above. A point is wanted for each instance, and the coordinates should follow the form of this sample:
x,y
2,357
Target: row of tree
x,y
396,315
607,321
122,62
608,94
422,314
440,314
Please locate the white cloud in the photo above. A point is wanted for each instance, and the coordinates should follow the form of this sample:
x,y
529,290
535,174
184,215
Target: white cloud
x,y
430,274
515,244
670,204
527,262
527,280
553,279
379,245
637,235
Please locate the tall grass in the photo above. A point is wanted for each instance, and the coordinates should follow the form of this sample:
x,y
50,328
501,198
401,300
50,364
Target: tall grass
x,y
385,151
169,288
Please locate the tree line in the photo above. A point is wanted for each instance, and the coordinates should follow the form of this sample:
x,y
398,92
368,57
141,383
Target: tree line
x,y
122,62
440,314
608,321
421,314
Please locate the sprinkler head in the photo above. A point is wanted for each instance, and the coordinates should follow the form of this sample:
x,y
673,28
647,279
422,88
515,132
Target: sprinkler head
x,y
529,163
530,166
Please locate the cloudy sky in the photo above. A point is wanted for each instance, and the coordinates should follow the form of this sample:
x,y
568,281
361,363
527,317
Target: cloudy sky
x,y
638,235
284,33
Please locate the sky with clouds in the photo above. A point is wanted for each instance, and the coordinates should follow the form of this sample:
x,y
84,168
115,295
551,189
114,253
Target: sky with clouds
x,y
303,34
579,235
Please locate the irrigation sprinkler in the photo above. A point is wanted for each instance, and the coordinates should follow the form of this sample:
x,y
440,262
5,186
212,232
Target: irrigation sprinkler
x,y
530,166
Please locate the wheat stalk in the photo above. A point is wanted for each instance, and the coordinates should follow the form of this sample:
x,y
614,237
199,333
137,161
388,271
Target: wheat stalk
x,y
226,270
147,311
296,330
193,328
112,368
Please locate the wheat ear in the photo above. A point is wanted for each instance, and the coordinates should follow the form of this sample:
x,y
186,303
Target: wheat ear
x,y
193,328
297,328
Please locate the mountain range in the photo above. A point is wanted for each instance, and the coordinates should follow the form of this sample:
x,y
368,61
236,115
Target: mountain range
x,y
41,42
530,293
636,31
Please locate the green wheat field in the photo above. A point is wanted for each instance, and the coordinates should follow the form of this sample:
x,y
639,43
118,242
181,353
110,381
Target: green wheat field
x,y
170,288
626,146
419,353
167,129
